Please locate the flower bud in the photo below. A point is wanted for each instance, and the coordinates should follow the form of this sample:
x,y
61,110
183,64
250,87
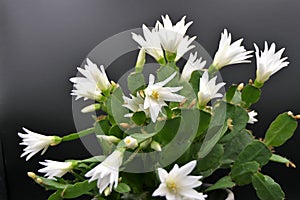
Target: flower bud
x,y
91,108
155,146
109,138
140,61
240,86
130,142
39,181
107,191
290,114
31,175
125,125
146,143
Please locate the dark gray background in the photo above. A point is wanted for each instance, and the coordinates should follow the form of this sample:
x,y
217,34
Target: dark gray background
x,y
42,42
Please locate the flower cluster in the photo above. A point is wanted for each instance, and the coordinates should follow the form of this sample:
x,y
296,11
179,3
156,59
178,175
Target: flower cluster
x,y
148,120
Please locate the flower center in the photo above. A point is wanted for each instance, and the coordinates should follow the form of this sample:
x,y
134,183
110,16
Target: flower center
x,y
128,141
172,186
155,94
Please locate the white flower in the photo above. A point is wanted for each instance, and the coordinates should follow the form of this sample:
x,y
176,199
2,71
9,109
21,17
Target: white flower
x,y
135,104
268,62
184,46
150,43
192,65
55,169
252,115
36,142
156,95
130,142
107,172
93,84
177,185
228,53
208,89
172,37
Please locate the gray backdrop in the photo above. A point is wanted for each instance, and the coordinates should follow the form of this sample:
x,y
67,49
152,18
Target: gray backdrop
x,y
42,42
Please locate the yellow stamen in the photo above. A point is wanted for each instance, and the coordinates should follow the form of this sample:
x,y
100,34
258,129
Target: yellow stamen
x,y
155,94
172,186
127,141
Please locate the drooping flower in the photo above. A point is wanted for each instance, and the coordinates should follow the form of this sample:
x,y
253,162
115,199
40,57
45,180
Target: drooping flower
x,y
208,89
252,118
107,172
177,184
54,169
172,37
130,142
36,142
93,84
150,42
192,65
268,62
156,95
228,53
135,104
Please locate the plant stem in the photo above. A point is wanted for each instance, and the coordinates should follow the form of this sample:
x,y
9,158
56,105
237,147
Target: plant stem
x,y
74,136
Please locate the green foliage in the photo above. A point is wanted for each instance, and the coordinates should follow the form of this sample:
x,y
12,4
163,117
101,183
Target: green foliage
x,y
115,107
230,93
216,129
139,118
136,81
215,135
65,190
165,72
279,159
225,182
234,143
77,189
204,121
167,130
238,115
250,95
207,165
56,196
122,188
241,173
255,151
266,188
195,79
115,131
280,130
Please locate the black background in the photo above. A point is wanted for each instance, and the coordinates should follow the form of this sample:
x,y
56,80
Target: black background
x,y
42,42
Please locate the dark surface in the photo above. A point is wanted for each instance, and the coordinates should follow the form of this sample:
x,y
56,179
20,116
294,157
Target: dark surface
x,y
45,40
